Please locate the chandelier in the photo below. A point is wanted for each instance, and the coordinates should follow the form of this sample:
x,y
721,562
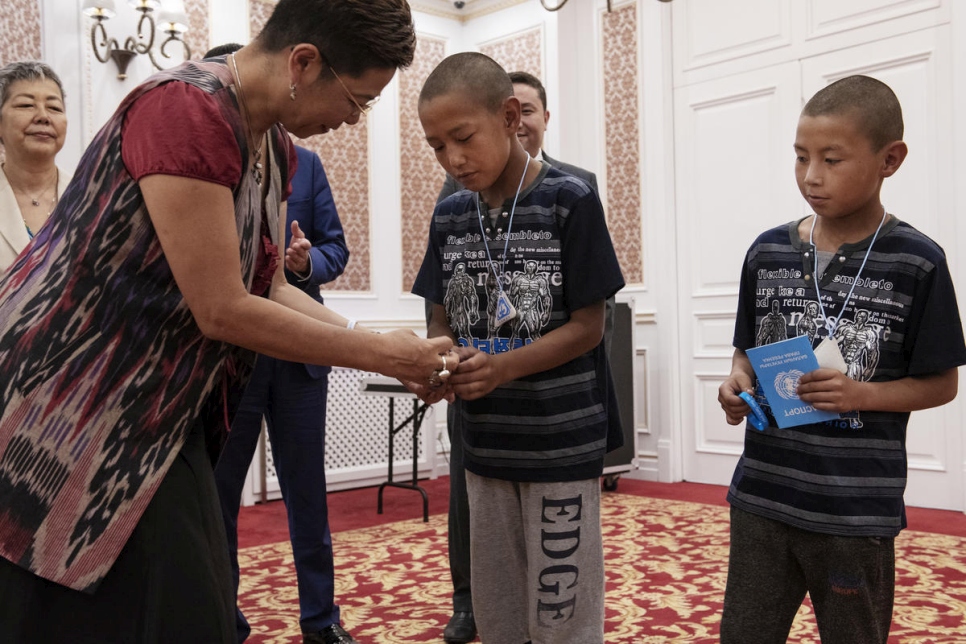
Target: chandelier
x,y
171,20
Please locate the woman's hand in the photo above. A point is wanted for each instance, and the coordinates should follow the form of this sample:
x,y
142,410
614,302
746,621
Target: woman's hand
x,y
412,359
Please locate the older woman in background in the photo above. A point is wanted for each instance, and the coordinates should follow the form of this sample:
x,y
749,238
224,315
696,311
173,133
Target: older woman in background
x,y
33,124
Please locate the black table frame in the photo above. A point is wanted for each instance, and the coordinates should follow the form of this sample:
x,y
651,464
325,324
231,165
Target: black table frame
x,y
416,418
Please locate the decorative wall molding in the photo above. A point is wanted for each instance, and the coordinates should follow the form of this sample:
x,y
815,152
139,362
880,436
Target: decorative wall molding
x,y
826,17
642,393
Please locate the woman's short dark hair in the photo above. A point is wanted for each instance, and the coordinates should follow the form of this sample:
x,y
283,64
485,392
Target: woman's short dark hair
x,y
28,70
353,36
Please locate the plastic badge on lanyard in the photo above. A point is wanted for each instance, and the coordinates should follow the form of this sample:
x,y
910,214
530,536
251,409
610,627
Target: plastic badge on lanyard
x,y
757,418
505,311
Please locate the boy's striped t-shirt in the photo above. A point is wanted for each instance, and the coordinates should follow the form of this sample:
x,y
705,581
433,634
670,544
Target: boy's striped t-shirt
x,y
844,477
552,255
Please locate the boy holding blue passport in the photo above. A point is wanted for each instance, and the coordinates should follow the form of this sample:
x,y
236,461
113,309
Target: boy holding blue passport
x,y
815,507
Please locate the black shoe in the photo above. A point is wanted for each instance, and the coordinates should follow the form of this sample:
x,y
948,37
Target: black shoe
x,y
461,628
333,634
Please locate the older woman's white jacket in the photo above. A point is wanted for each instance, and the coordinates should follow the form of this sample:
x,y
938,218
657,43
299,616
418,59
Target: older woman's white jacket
x,y
13,232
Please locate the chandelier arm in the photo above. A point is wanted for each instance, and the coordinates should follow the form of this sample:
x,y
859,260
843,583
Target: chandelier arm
x,y
106,44
154,60
559,6
173,36
561,3
141,46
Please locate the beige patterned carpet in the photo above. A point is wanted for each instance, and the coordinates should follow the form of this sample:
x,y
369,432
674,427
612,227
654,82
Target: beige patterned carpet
x,y
666,568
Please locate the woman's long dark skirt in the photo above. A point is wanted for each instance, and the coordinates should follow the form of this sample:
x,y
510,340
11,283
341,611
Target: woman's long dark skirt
x,y
171,583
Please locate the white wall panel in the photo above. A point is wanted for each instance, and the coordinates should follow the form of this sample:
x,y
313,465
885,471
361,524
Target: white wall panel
x,y
733,138
713,38
734,180
826,17
713,333
711,31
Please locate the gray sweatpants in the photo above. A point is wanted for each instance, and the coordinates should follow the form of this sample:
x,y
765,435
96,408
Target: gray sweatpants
x,y
537,560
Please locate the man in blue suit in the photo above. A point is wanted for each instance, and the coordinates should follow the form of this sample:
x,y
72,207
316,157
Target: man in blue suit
x,y
292,398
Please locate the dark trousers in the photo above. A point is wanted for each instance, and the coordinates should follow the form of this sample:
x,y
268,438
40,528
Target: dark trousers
x,y
851,581
293,405
459,517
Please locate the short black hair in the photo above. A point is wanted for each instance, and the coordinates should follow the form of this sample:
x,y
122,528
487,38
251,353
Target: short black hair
x,y
525,78
873,102
475,74
222,50
352,36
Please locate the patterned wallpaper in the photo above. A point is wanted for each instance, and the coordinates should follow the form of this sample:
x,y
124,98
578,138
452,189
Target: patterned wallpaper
x,y
20,38
258,13
197,36
619,38
420,175
345,156
522,52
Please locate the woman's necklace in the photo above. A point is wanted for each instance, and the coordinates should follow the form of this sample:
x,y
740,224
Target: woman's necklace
x,y
36,201
257,166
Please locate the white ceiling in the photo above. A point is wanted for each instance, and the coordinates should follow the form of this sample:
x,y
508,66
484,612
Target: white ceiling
x,y
467,9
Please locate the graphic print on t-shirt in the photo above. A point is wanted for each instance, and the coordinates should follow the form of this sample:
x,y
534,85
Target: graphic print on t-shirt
x,y
531,285
461,302
808,325
530,296
859,342
858,339
773,326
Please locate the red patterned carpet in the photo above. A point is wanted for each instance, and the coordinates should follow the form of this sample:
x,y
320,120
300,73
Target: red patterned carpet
x,y
666,549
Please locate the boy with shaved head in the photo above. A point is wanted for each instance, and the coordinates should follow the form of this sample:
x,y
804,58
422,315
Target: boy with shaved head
x,y
535,410
815,508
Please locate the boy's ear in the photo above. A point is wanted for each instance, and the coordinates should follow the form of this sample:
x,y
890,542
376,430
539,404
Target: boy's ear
x,y
893,156
512,113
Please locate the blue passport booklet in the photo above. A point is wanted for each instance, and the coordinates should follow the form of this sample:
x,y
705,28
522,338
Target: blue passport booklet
x,y
779,366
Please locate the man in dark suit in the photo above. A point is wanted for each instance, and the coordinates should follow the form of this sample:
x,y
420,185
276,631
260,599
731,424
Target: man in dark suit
x,y
533,125
292,398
